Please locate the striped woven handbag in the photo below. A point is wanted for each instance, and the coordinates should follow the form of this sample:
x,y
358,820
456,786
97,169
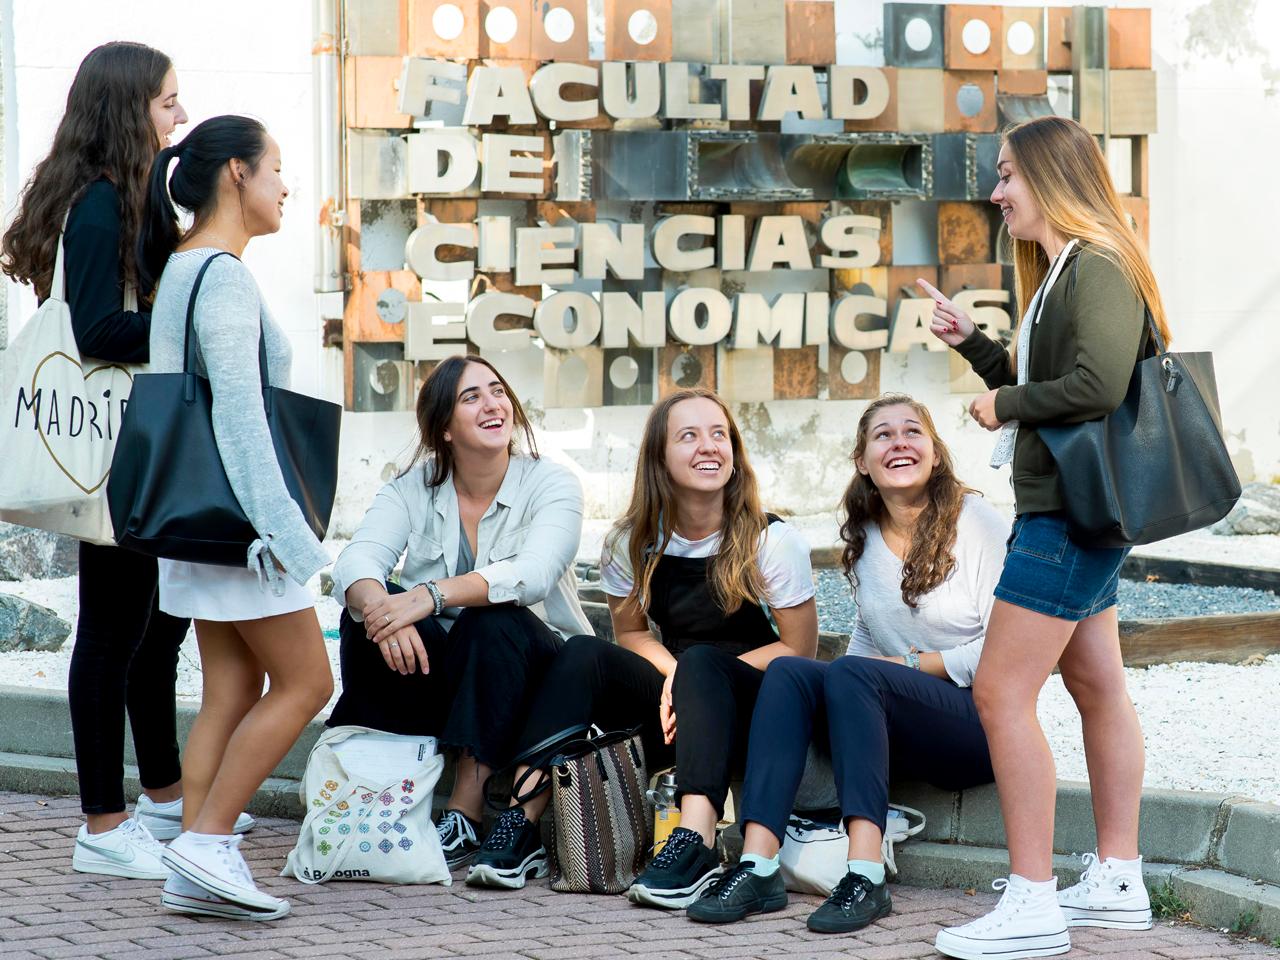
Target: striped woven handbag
x,y
602,821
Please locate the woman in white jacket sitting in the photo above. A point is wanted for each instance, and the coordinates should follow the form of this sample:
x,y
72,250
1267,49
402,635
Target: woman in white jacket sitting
x,y
487,594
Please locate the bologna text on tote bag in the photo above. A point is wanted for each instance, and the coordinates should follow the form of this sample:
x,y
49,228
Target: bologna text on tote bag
x,y
58,426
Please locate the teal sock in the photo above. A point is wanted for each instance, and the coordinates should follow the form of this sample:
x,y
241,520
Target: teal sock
x,y
762,866
871,870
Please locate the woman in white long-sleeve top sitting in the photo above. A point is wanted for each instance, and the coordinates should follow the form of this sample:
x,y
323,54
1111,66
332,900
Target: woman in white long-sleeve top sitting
x,y
487,594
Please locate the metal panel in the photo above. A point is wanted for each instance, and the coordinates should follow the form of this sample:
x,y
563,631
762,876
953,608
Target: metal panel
x,y
574,164
964,165
913,34
1088,37
385,225
573,378
376,165
973,36
698,39
921,103
1011,110
1057,40
757,32
444,28
1022,83
547,47
966,232
1133,102
746,376
795,373
494,42
887,120
970,100
681,366
637,30
377,305
371,93
811,32
381,378
628,377
1022,38
1129,39
373,28
853,374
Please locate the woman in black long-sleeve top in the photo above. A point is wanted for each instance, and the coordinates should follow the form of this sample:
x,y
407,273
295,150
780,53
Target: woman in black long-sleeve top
x,y
121,108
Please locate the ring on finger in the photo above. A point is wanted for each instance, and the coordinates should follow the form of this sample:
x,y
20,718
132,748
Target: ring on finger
x,y
394,645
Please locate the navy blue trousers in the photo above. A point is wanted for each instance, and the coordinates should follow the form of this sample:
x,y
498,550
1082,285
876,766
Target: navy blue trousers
x,y
882,720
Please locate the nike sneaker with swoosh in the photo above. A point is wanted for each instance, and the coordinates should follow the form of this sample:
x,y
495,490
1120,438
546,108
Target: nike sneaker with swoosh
x,y
127,851
164,820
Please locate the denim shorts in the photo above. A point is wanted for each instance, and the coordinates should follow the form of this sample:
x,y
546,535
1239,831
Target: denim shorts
x,y
1046,571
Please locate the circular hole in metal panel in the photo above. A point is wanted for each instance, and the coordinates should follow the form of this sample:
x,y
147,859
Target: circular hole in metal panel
x,y
558,24
500,25
391,306
624,372
862,289
642,27
918,34
969,99
384,377
976,37
853,368
1021,38
448,21
686,371
573,374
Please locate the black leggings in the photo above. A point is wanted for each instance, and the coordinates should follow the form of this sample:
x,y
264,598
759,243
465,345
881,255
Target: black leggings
x,y
125,658
882,719
482,676
594,681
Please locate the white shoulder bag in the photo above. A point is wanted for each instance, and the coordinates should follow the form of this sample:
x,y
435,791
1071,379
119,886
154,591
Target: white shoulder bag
x,y
59,417
815,856
368,799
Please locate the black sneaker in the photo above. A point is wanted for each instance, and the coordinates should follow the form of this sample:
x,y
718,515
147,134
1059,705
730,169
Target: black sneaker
x,y
512,852
854,903
737,894
458,838
679,874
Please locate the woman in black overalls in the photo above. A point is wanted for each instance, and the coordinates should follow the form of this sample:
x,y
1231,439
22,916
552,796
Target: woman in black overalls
x,y
694,544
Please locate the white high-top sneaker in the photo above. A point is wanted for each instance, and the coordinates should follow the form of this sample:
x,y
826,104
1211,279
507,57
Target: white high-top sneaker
x,y
1027,922
1110,894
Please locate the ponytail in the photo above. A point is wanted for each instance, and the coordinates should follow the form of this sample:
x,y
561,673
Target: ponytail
x,y
202,156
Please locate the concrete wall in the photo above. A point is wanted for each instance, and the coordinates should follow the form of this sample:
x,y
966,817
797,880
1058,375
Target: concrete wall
x,y
1216,197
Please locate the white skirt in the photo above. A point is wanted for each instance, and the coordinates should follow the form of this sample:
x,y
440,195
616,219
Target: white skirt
x,y
203,591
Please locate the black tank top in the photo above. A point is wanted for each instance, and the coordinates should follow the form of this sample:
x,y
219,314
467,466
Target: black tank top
x,y
684,607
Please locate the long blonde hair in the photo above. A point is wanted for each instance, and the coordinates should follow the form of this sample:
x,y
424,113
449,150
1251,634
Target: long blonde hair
x,y
1067,176
930,558
650,519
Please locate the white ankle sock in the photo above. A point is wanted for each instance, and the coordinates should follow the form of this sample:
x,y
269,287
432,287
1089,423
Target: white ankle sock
x,y
762,866
208,837
870,869
167,805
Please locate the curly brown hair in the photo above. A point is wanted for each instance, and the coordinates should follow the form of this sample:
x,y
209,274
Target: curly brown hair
x,y
929,559
651,517
106,131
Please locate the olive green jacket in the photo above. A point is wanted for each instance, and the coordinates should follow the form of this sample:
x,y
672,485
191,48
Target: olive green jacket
x,y
1083,352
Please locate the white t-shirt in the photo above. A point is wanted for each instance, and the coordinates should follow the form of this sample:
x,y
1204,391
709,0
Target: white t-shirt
x,y
783,559
952,618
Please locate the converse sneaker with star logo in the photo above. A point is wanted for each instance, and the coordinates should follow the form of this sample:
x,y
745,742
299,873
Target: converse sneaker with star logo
x,y
1027,922
1110,894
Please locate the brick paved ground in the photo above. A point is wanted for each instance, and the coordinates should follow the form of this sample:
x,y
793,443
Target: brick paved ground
x,y
48,913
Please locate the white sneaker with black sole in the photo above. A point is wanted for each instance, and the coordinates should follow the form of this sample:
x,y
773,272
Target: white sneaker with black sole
x,y
680,874
182,896
164,820
128,850
217,866
1110,894
1027,922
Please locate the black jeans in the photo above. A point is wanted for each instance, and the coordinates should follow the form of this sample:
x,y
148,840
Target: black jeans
x,y
125,658
483,673
594,681
883,720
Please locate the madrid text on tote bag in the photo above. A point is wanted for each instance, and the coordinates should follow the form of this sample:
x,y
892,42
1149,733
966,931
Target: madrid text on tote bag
x,y
59,423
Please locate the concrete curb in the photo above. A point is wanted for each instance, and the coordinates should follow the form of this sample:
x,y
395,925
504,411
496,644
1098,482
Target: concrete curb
x,y
1219,854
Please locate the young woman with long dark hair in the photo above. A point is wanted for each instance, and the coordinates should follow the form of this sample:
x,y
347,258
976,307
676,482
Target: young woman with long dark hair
x,y
258,619
122,108
730,588
923,553
488,531
1083,280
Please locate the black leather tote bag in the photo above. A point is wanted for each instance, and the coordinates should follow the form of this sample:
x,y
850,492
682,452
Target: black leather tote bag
x,y
169,494
1154,468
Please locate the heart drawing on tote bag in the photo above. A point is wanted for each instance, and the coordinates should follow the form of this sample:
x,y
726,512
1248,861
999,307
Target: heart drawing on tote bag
x,y
68,410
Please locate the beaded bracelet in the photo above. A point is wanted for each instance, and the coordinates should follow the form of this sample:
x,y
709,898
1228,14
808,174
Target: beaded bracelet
x,y
437,597
912,660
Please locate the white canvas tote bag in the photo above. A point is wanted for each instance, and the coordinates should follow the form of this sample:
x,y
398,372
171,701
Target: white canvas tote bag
x,y
815,856
368,799
59,419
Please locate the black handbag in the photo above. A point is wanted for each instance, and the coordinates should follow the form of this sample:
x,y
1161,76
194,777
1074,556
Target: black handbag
x,y
1155,467
169,495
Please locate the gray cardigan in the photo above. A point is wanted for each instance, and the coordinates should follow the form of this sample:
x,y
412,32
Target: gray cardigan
x,y
229,309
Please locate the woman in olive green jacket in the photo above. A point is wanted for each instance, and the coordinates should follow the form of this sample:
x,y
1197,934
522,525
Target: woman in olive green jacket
x,y
1083,278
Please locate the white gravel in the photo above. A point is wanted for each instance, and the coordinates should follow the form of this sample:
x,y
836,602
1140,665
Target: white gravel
x,y
1208,726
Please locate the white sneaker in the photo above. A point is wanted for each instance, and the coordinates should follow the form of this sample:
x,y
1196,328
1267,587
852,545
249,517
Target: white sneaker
x,y
129,850
164,820
1109,895
1027,922
182,896
218,867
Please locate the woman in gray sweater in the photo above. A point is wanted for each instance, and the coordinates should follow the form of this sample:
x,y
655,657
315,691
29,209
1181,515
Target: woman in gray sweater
x,y
259,619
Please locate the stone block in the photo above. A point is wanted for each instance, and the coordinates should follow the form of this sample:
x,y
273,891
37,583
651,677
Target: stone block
x,y
1257,512
1250,845
30,554
28,626
941,808
1222,900
1175,826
